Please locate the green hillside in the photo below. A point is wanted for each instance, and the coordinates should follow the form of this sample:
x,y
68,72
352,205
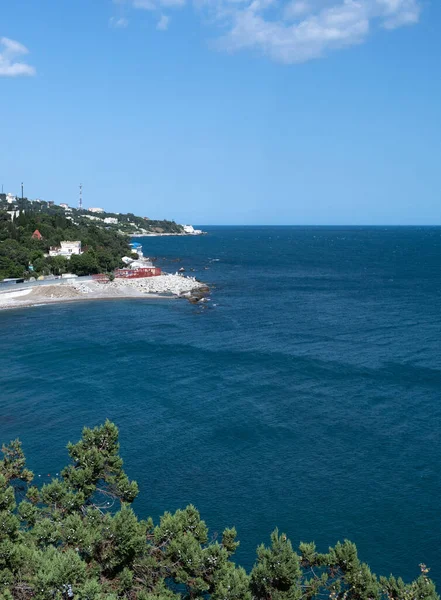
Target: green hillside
x,y
103,243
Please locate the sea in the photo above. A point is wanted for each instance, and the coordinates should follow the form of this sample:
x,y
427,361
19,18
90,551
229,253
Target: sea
x,y
304,395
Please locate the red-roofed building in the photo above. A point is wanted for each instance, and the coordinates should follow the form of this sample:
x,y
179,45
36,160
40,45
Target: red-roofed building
x,y
37,235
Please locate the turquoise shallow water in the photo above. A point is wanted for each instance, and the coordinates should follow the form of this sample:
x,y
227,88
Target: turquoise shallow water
x,y
307,394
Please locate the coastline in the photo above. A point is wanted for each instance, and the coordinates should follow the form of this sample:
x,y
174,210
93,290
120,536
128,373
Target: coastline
x,y
150,234
164,287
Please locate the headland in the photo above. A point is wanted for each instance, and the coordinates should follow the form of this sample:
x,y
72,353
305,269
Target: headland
x,y
51,254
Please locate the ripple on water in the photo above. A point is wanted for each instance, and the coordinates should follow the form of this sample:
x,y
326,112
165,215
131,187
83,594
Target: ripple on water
x,y
308,398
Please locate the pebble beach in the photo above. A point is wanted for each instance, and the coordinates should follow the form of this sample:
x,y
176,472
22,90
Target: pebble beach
x,y
164,286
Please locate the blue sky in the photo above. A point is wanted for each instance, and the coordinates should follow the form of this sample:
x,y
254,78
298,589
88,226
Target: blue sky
x,y
226,111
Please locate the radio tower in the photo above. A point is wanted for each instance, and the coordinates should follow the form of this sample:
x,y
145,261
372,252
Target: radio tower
x,y
80,202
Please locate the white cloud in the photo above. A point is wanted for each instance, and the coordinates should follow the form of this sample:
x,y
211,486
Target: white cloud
x,y
295,9
144,4
173,3
294,31
300,31
153,4
120,23
163,23
400,12
10,50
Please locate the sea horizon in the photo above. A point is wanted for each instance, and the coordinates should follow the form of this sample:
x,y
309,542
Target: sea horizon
x,y
412,225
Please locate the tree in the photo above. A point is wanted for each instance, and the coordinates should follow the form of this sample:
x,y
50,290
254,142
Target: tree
x,y
276,575
78,538
8,268
15,257
18,249
57,264
84,264
107,261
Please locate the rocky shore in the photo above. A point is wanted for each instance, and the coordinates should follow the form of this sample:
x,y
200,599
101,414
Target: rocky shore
x,y
164,286
175,285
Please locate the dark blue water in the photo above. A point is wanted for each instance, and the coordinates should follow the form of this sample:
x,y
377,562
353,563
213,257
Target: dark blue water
x,y
307,396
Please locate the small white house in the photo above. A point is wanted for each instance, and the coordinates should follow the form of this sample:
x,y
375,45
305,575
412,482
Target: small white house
x,y
10,198
190,230
63,205
14,213
66,249
96,210
111,221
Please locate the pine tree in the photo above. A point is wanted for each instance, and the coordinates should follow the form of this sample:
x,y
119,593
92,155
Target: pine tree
x,y
77,537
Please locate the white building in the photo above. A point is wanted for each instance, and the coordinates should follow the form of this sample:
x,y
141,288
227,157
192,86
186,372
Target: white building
x,y
63,205
10,198
136,247
141,264
96,210
190,230
111,221
92,218
66,249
